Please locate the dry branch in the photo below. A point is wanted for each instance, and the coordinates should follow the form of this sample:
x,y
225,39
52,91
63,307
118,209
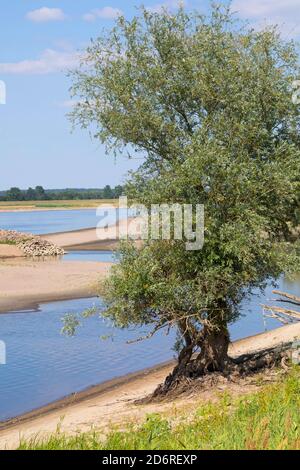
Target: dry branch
x,y
283,311
285,321
291,297
284,315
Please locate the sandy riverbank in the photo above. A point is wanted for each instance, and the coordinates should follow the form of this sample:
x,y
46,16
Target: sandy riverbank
x,y
24,283
113,403
10,251
85,239
98,239
93,238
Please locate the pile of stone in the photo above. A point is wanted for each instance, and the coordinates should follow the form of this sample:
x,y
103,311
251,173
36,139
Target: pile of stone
x,y
30,245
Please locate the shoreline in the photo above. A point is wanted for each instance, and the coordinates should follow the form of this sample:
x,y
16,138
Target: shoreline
x,y
108,402
48,209
14,209
236,348
25,283
84,239
95,239
115,401
88,393
33,304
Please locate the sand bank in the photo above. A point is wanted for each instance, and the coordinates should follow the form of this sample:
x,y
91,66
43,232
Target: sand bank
x,y
24,283
92,238
114,402
10,251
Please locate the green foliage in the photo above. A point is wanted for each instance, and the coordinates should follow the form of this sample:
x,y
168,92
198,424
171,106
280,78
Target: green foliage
x,y
14,194
40,194
7,242
71,323
267,420
208,103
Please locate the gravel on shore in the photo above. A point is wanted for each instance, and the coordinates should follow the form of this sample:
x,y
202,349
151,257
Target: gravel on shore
x,y
30,245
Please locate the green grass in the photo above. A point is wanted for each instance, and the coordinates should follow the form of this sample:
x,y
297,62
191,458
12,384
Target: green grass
x,y
7,242
269,419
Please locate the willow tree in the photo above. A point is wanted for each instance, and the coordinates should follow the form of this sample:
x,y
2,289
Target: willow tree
x,y
208,103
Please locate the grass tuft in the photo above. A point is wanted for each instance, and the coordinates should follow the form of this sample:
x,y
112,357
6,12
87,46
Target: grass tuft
x,y
8,242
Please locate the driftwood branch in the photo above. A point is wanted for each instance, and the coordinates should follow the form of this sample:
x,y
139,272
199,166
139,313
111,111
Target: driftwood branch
x,y
284,315
290,297
283,311
285,321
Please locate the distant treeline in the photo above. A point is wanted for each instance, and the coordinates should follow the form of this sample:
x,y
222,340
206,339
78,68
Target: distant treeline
x,y
40,194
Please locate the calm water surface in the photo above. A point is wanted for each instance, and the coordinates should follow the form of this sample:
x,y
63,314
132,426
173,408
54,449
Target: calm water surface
x,y
41,222
102,256
42,365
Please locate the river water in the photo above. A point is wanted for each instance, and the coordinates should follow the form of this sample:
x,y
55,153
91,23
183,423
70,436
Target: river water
x,y
52,221
43,366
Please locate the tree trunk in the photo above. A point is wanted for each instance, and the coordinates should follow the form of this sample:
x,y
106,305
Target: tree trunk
x,y
213,357
213,354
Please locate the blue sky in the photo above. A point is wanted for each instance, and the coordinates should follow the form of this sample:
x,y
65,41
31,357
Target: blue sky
x,y
39,42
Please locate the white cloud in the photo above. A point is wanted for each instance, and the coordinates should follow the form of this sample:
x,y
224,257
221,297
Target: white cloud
x,y
106,13
167,5
50,61
42,15
259,8
69,104
284,13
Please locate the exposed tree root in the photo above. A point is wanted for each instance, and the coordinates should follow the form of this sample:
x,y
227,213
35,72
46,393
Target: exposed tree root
x,y
196,377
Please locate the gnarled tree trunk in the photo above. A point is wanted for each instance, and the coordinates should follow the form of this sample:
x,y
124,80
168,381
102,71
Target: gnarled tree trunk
x,y
213,344
213,354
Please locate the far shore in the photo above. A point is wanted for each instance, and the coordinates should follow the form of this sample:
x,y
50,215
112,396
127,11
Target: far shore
x,y
44,206
114,402
49,209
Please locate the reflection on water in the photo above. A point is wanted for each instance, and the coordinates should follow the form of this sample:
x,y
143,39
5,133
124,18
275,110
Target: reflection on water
x,y
41,222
